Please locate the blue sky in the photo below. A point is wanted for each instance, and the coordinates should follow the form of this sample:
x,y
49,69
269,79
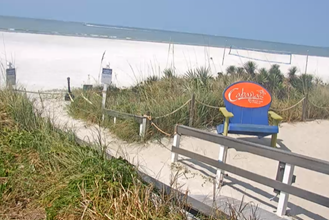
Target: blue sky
x,y
289,21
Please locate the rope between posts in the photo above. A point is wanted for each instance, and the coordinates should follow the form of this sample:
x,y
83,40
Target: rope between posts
x,y
163,116
173,112
42,93
154,125
86,111
210,106
325,108
163,132
97,94
166,115
286,109
71,97
86,99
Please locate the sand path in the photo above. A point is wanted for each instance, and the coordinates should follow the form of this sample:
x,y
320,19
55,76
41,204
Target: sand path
x,y
154,158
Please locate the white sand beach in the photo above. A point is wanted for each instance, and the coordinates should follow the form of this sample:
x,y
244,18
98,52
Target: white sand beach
x,y
154,158
44,62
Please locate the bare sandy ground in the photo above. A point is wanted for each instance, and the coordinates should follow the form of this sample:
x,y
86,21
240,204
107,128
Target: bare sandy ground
x,y
44,62
154,158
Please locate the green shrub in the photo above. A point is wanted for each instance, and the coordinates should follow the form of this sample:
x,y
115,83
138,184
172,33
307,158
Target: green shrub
x,y
158,97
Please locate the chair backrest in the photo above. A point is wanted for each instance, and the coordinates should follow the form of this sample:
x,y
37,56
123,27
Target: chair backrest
x,y
249,102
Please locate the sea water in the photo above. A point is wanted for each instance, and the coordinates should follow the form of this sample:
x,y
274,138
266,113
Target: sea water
x,y
52,27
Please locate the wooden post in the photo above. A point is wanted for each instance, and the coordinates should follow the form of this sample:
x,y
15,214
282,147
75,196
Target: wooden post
x,y
104,100
305,104
174,156
306,98
223,56
148,122
214,192
306,63
283,199
142,128
192,110
221,158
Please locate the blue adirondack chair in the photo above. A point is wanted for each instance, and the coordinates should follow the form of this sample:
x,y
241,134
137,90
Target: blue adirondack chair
x,y
246,111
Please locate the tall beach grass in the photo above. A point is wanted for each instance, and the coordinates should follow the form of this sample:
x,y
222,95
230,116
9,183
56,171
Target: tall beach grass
x,y
46,174
158,96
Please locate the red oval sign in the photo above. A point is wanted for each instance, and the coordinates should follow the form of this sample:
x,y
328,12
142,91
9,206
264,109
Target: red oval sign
x,y
247,95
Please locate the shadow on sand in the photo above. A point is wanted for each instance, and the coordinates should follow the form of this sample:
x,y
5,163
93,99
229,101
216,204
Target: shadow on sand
x,y
209,171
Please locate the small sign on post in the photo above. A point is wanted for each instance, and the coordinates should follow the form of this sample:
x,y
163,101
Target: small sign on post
x,y
106,80
106,76
11,77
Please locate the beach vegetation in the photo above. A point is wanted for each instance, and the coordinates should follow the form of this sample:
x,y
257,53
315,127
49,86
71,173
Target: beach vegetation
x,y
159,96
46,173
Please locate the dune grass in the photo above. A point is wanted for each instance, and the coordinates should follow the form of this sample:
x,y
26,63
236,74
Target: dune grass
x,y
45,173
157,96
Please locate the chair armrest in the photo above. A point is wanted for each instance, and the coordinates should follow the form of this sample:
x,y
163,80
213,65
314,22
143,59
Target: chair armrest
x,y
277,118
226,113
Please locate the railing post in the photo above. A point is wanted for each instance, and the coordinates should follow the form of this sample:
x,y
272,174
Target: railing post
x,y
305,103
192,110
174,156
221,158
104,99
283,199
142,128
223,55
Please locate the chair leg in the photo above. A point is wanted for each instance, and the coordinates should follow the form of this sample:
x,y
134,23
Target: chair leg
x,y
222,156
225,132
273,140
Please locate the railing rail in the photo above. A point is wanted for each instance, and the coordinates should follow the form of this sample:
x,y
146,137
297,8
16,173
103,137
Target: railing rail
x,y
291,160
306,162
123,115
139,119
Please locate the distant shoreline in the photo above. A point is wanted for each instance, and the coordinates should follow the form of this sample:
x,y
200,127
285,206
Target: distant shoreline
x,y
100,31
44,61
150,41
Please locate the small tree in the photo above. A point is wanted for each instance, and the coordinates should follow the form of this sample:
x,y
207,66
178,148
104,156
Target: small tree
x,y
200,77
169,73
231,70
263,77
276,79
292,77
250,67
307,83
240,71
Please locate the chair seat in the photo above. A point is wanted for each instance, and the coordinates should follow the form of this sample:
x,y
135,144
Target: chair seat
x,y
249,129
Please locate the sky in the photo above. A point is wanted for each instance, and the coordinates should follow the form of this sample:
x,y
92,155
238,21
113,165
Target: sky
x,y
303,22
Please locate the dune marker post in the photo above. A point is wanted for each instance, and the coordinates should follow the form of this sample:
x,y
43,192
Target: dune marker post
x,y
69,96
10,75
104,100
106,80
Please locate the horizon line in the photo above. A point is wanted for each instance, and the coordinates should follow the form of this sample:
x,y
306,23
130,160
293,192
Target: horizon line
x,y
171,31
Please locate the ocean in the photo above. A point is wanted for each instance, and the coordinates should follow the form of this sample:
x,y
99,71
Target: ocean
x,y
53,27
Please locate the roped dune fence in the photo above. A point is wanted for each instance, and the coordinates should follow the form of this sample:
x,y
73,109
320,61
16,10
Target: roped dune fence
x,y
288,158
191,103
143,120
